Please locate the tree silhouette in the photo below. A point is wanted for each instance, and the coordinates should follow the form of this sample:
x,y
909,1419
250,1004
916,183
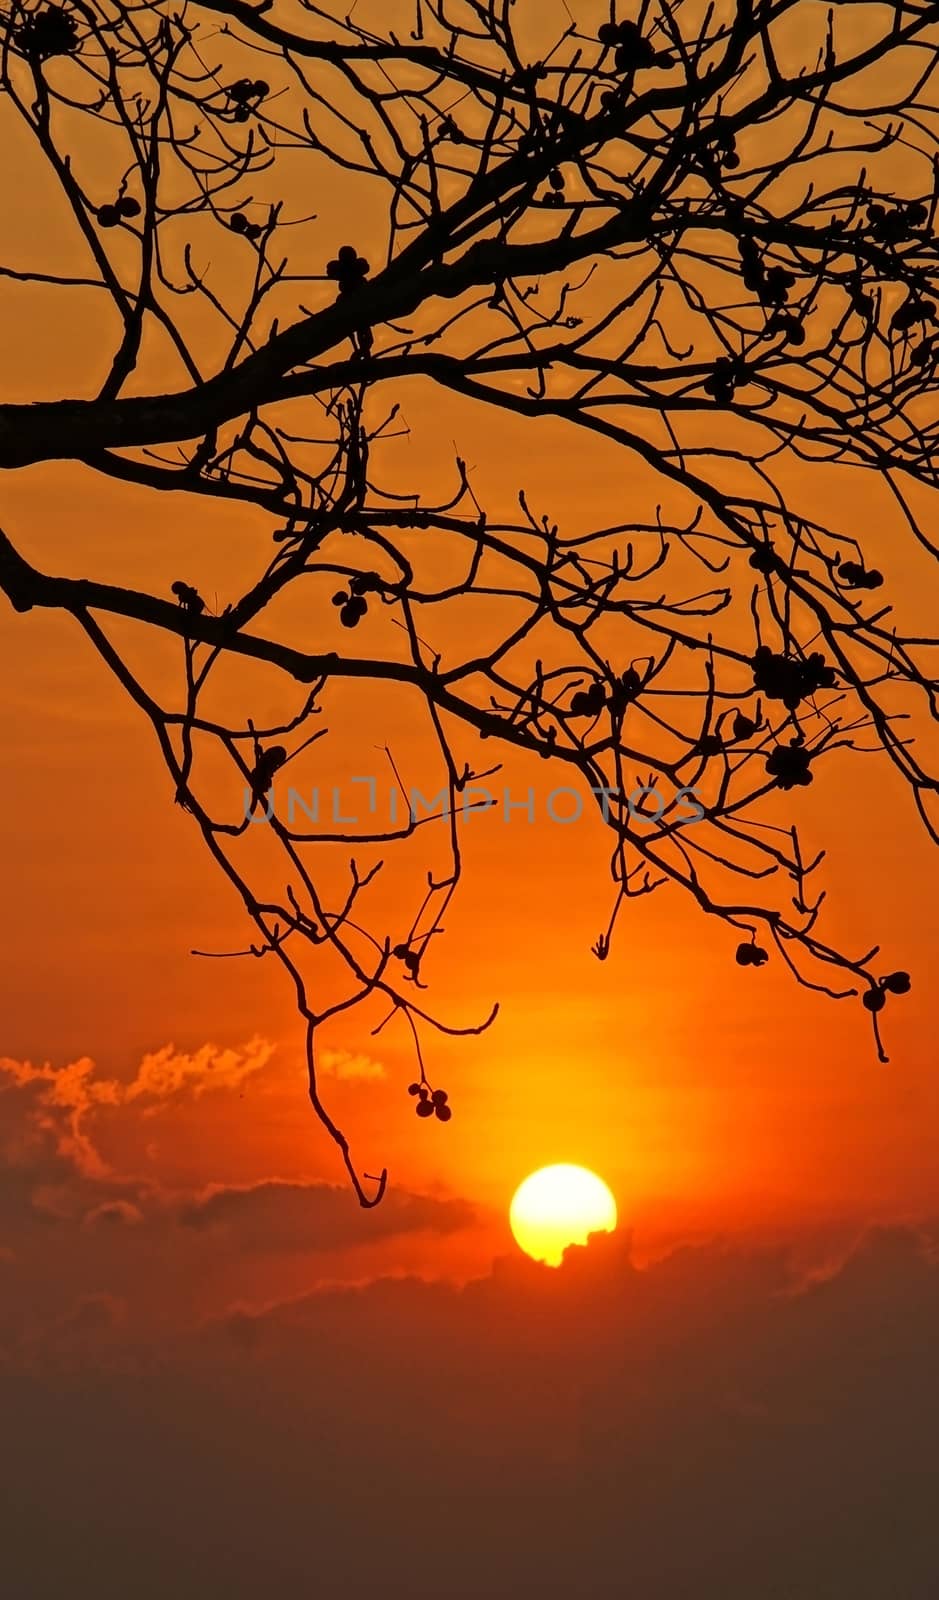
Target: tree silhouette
x,y
701,236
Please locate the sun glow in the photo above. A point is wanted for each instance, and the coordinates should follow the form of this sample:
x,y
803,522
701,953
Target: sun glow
x,y
558,1206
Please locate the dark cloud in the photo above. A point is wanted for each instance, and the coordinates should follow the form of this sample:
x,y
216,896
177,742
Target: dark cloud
x,y
274,1216
36,1139
113,1213
73,1223
711,1427
51,1167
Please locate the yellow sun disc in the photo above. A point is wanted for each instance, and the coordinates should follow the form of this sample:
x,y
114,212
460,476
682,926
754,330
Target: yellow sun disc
x,y
558,1206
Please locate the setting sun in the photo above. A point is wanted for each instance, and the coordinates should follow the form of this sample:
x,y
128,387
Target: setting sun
x,y
558,1206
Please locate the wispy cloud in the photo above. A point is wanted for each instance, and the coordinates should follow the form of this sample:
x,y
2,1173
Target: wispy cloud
x,y
55,1106
275,1215
167,1073
351,1067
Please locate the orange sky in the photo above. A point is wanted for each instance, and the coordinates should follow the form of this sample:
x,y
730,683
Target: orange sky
x,y
707,1096
219,1376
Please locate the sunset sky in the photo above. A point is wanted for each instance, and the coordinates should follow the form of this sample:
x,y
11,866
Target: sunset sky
x,y
779,1111
219,1374
189,1290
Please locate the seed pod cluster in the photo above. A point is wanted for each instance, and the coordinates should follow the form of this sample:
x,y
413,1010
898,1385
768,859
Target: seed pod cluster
x,y
431,1102
349,269
121,210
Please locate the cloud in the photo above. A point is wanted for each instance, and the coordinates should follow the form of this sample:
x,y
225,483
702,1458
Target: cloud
x,y
91,1313
90,1328
709,1425
49,1157
53,1105
274,1215
168,1072
351,1067
114,1213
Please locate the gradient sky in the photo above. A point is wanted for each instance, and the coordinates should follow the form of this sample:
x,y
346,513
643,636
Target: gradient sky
x,y
784,1111
207,1349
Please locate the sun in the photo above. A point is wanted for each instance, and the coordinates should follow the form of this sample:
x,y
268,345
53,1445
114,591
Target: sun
x,y
558,1206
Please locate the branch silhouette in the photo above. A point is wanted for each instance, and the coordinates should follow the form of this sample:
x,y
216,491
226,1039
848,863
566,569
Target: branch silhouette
x,y
700,238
